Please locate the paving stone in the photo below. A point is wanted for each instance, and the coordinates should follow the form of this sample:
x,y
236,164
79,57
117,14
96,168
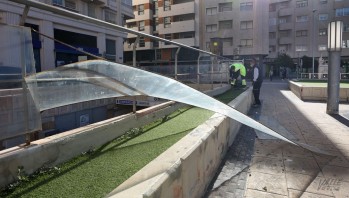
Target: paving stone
x,y
260,194
299,194
267,165
273,183
312,184
336,172
306,166
342,191
295,151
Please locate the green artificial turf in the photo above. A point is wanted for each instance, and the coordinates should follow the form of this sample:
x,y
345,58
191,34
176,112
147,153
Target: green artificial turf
x,y
320,83
96,173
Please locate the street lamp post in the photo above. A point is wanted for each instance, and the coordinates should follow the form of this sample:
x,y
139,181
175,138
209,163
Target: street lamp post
x,y
313,42
334,47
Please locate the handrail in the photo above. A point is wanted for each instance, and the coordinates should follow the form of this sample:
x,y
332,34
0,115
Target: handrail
x,y
67,13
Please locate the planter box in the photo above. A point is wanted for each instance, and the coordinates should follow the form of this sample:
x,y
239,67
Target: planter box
x,y
187,168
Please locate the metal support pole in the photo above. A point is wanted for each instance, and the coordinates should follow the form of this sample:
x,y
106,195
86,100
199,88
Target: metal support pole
x,y
333,82
134,51
198,70
212,64
313,42
24,15
134,107
176,62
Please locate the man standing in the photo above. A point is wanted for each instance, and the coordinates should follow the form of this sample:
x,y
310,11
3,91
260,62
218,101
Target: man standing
x,y
256,81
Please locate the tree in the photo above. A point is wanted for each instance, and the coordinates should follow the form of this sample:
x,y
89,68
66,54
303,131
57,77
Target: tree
x,y
284,60
308,63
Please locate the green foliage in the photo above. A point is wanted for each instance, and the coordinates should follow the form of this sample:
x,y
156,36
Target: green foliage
x,y
284,60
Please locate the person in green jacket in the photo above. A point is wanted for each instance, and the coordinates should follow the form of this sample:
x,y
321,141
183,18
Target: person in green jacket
x,y
237,69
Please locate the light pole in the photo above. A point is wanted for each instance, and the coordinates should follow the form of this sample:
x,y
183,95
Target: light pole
x,y
313,42
334,47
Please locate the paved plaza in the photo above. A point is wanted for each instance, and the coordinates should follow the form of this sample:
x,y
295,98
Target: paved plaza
x,y
258,165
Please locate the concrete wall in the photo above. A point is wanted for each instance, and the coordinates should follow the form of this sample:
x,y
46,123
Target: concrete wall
x,y
187,168
62,147
316,93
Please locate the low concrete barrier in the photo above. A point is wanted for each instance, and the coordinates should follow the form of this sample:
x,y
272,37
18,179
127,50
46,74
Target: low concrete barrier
x,y
62,147
187,168
316,93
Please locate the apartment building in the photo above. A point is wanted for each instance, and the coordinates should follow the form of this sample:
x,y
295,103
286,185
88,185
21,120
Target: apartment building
x,y
240,25
175,20
299,27
83,35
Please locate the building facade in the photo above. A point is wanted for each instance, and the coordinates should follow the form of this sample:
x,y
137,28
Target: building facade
x,y
83,35
299,27
241,26
176,20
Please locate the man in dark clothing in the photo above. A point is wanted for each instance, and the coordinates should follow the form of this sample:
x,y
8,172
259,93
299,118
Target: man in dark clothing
x,y
256,81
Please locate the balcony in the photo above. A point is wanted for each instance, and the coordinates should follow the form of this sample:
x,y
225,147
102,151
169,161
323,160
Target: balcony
x,y
181,26
127,9
178,9
186,41
285,26
277,1
285,40
285,12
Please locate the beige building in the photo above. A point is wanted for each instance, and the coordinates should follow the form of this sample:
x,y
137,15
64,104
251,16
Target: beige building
x,y
299,27
239,24
175,20
81,34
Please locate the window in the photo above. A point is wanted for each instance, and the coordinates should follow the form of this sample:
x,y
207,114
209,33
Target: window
x,y
303,18
246,25
225,7
248,6
323,17
167,5
301,33
91,10
141,41
272,21
246,42
322,32
70,5
141,25
272,35
167,22
168,37
301,48
342,12
156,7
323,1
322,47
211,11
110,50
211,28
227,42
345,27
141,9
57,2
284,4
158,54
110,16
284,48
283,20
208,45
131,25
301,3
272,48
272,7
225,24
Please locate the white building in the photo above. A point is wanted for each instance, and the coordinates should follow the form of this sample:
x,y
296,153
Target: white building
x,y
81,34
